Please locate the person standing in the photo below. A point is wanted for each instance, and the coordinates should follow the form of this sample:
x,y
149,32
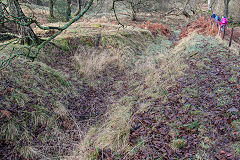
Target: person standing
x,y
217,20
223,23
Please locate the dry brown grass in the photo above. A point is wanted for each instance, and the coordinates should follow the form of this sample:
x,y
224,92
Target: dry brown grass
x,y
159,72
113,134
156,28
201,26
164,73
91,62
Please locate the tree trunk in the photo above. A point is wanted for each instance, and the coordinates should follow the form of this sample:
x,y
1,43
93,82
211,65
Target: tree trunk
x,y
134,15
184,12
79,4
226,2
26,32
1,13
51,9
68,10
134,12
39,2
209,5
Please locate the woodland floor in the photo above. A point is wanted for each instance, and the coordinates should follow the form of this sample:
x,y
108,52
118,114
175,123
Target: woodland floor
x,y
198,117
199,112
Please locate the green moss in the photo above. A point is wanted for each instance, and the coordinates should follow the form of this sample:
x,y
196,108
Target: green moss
x,y
236,124
54,75
193,125
63,43
125,33
60,78
103,41
236,148
87,41
196,112
96,25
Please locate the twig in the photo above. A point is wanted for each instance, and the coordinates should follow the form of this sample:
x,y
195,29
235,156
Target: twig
x,y
27,22
115,14
10,34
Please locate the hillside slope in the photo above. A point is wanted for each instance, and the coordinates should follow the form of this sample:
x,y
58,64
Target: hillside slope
x,y
199,118
104,92
180,102
44,105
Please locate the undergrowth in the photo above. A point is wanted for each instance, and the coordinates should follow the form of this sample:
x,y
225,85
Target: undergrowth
x,y
143,74
147,75
36,121
100,81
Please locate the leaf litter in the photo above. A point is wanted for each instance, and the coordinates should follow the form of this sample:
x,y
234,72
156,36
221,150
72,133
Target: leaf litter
x,y
197,119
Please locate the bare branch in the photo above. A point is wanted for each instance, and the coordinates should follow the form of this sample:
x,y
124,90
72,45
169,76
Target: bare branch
x,y
29,53
115,14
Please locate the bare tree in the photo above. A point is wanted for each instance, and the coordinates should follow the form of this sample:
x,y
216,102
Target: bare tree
x,y
226,3
209,5
25,31
185,13
68,10
134,5
1,15
16,15
51,5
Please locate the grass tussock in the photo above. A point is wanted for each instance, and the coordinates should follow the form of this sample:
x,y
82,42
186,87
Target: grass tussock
x,y
112,134
34,109
156,67
91,63
129,68
177,144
